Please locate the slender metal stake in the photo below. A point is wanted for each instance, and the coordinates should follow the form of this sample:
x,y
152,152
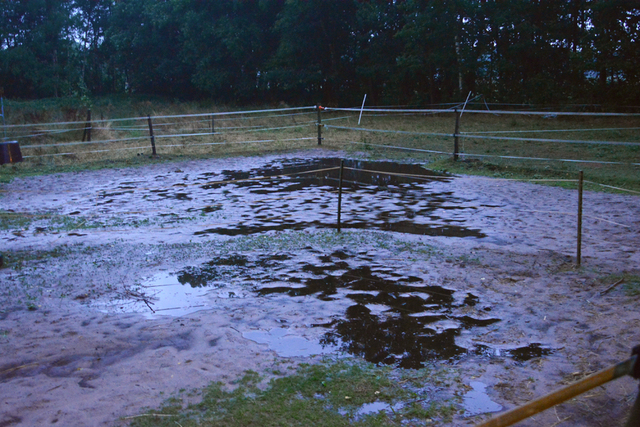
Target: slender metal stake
x,y
362,108
213,125
455,137
153,139
319,108
579,249
340,193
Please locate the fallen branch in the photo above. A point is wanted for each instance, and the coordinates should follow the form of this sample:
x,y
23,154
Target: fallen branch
x,y
6,371
610,288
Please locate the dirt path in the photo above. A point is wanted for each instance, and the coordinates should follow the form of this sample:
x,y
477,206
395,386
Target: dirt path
x,y
79,344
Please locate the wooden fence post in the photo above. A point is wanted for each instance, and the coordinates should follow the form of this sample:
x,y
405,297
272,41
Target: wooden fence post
x,y
153,139
86,135
455,137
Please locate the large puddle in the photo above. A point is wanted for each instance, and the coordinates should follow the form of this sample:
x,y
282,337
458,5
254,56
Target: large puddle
x,y
374,311
390,318
303,193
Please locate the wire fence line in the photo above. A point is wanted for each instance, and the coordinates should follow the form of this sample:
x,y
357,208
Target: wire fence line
x,y
171,128
543,159
85,152
509,112
374,110
552,130
165,145
447,153
502,138
399,132
215,114
564,141
195,129
145,127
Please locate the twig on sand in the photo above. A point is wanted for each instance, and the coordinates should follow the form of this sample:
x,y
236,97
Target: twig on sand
x,y
610,288
152,310
6,371
139,296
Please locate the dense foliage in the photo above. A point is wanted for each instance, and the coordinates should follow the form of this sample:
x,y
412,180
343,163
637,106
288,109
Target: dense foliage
x,y
331,51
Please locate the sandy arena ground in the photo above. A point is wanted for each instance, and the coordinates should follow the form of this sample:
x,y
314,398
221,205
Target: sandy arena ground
x,y
80,346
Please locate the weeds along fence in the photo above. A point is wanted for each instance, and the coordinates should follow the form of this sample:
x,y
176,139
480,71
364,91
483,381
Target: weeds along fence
x,y
192,134
541,141
603,138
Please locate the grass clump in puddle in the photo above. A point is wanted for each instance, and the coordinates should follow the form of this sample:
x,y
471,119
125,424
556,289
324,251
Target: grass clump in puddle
x,y
332,394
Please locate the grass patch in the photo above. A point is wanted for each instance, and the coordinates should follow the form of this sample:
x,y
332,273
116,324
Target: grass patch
x,y
17,260
54,223
330,394
628,283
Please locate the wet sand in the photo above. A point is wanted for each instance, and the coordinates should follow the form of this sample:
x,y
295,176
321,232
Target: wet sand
x,y
483,268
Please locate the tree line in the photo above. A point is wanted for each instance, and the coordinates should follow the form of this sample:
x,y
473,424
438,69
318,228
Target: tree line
x,y
402,52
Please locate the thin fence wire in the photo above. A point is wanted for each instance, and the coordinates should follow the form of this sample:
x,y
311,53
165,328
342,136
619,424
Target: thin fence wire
x,y
399,132
201,132
511,112
551,130
563,141
216,114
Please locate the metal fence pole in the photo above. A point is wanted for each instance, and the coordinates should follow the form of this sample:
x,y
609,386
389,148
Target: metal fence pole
x,y
455,136
340,194
579,248
319,108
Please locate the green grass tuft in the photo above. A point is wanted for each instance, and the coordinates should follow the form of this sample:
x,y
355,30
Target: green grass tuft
x,y
320,395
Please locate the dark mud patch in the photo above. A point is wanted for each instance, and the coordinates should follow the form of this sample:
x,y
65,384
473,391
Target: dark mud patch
x,y
378,195
390,318
296,194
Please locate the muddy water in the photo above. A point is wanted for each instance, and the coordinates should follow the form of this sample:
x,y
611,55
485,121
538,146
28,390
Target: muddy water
x,y
390,318
302,193
306,197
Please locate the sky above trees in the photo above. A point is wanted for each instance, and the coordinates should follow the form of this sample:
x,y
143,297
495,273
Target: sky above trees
x,y
401,52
